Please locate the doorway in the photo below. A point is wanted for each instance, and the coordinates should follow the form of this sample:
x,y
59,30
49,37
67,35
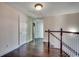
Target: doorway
x,y
38,33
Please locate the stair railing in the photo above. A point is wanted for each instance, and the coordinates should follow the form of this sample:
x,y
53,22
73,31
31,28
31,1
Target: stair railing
x,y
60,39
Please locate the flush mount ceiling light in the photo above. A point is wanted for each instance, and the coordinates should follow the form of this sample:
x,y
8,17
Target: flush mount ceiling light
x,y
38,6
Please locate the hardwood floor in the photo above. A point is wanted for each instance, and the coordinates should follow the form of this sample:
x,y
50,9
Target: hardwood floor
x,y
35,49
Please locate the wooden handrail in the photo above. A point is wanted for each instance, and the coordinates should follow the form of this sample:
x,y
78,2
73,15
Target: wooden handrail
x,y
54,36
64,32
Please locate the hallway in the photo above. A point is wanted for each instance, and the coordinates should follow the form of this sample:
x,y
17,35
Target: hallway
x,y
21,22
35,50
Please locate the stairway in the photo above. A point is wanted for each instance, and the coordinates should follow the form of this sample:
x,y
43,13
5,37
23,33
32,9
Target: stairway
x,y
54,52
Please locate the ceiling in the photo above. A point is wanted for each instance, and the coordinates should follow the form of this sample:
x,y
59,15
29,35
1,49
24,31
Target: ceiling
x,y
49,9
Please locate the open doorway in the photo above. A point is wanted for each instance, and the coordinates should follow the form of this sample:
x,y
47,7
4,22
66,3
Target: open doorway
x,y
37,29
38,33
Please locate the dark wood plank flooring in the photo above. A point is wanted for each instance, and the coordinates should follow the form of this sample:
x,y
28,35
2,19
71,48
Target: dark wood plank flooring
x,y
35,50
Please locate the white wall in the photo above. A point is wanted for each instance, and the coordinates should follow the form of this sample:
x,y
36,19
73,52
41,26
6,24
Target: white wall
x,y
25,29
67,22
9,38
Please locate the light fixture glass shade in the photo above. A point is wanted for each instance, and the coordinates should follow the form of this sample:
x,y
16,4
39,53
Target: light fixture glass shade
x,y
38,6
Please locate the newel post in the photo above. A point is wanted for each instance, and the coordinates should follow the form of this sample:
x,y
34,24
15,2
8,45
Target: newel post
x,y
61,43
48,41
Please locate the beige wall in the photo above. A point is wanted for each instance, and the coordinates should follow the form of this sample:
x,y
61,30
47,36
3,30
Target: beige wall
x,y
67,22
9,22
